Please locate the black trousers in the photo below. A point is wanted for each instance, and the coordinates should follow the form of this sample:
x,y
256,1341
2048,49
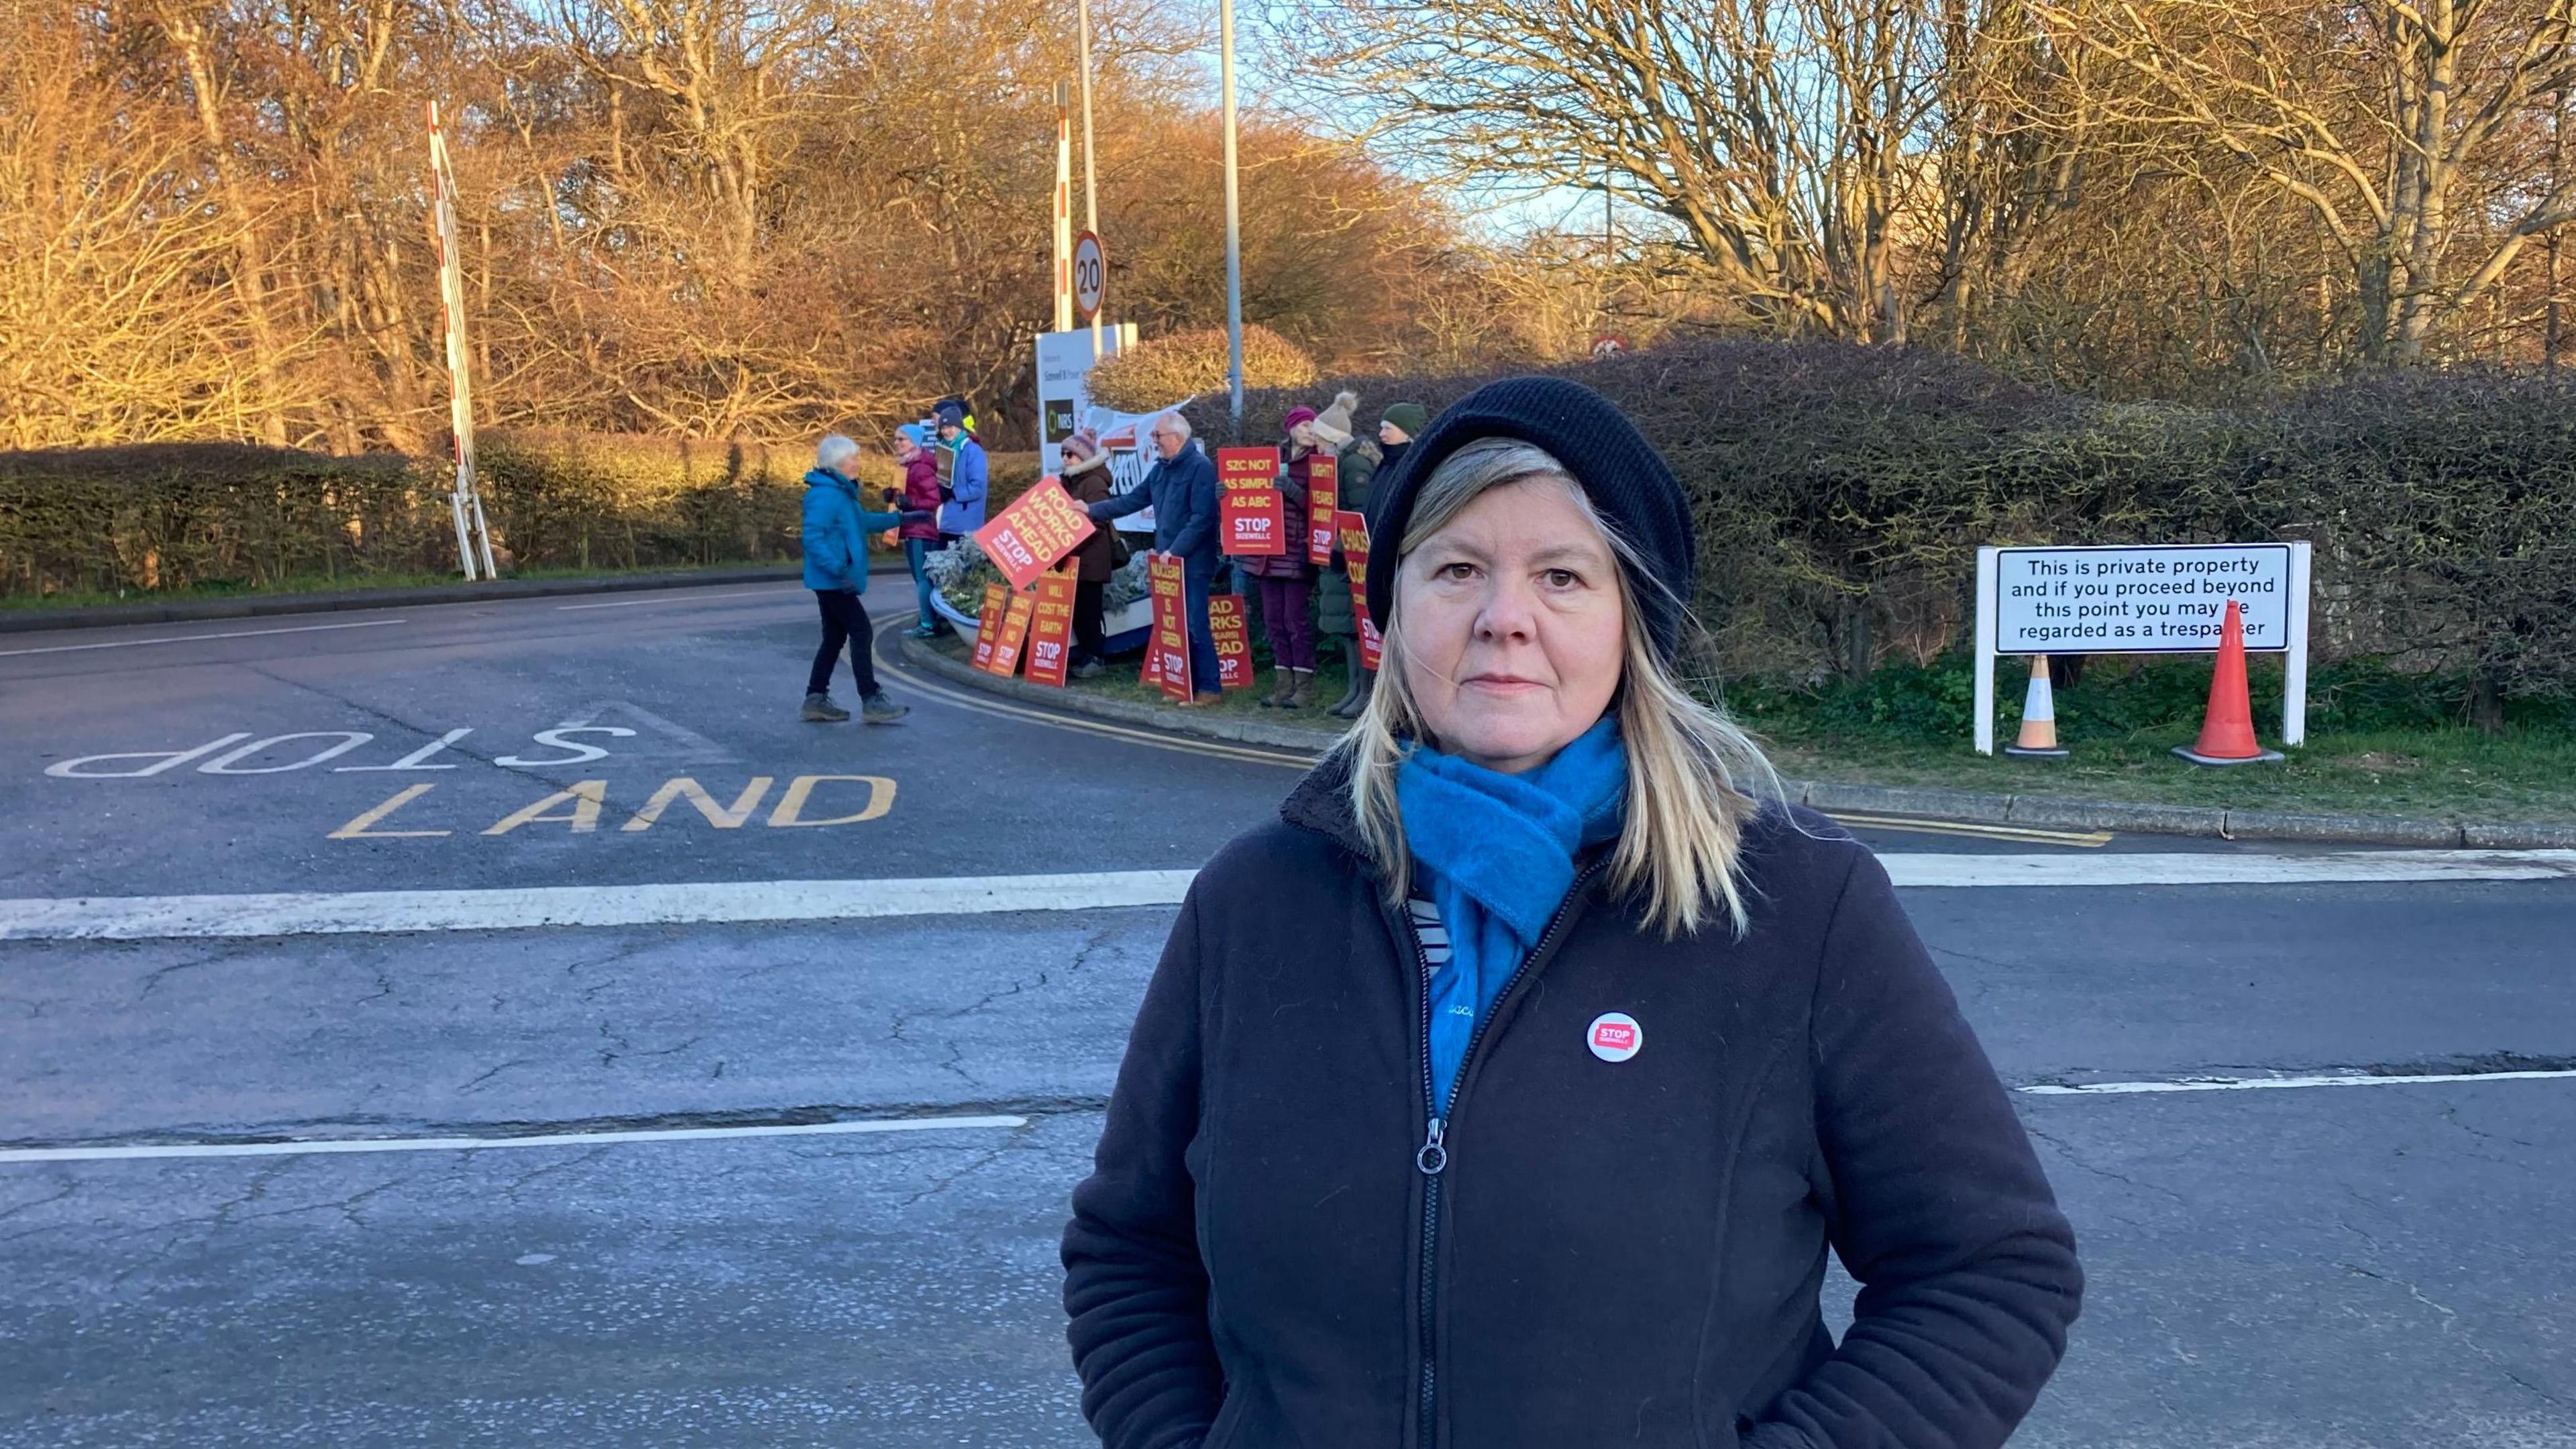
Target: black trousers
x,y
1089,638
845,624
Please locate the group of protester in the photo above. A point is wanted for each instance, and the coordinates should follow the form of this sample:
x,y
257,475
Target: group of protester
x,y
946,476
1294,599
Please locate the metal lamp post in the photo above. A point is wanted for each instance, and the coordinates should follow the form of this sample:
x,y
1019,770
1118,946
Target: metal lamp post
x,y
1233,226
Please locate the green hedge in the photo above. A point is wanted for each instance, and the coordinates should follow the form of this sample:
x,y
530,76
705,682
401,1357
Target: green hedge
x,y
195,515
1840,494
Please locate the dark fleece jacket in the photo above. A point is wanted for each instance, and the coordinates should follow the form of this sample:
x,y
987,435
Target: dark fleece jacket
x,y
1614,1251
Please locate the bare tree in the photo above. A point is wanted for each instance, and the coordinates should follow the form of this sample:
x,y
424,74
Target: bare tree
x,y
1776,135
109,329
2374,116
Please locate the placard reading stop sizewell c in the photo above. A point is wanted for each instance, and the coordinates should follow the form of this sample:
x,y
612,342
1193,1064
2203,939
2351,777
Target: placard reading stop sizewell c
x,y
2150,599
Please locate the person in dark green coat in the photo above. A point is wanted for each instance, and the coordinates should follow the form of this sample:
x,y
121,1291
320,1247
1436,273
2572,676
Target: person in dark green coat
x,y
1361,461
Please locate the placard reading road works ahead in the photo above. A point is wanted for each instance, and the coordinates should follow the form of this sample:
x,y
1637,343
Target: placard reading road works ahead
x,y
2156,599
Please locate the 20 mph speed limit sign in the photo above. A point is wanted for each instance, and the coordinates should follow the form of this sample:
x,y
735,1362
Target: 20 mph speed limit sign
x,y
1090,275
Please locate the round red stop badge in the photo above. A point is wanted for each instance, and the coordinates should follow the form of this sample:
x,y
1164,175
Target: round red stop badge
x,y
1615,1036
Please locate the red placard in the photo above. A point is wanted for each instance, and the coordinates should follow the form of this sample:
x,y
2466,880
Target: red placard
x,y
1051,627
1233,645
1323,493
1015,631
1171,645
1035,533
1251,515
1253,467
1355,551
988,623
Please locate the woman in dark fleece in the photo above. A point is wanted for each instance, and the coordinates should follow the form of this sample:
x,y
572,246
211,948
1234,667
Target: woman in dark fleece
x,y
1510,1089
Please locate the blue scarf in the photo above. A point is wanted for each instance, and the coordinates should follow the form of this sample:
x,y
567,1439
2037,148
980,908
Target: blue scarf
x,y
1497,852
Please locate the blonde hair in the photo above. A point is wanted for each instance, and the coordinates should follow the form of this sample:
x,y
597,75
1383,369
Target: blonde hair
x,y
1694,779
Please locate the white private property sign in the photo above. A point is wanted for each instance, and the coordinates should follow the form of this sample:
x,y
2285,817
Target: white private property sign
x,y
2144,599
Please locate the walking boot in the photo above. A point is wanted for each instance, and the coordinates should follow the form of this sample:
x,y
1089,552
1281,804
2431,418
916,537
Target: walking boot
x,y
1303,696
819,709
878,709
1286,686
1356,701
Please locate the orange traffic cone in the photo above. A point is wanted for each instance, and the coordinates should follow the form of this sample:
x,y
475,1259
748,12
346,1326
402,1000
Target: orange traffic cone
x,y
2227,731
2038,740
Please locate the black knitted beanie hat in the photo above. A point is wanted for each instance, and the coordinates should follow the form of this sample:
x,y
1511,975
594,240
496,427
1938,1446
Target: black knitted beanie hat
x,y
1623,475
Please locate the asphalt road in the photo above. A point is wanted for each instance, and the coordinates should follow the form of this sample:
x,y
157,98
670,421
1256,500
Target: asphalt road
x,y
2307,1268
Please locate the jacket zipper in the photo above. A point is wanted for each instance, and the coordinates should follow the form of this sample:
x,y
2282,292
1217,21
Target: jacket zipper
x,y
1432,1158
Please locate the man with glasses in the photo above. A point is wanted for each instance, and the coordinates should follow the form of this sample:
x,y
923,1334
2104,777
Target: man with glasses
x,y
1181,489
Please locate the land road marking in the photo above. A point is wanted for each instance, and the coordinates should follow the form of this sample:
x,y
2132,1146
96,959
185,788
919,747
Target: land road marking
x,y
193,638
386,912
611,1137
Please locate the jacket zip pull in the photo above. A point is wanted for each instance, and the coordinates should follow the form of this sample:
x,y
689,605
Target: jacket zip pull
x,y
1434,1154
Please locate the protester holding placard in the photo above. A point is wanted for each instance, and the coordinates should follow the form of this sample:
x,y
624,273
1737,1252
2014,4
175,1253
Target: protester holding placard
x,y
920,493
1286,580
1362,460
1181,489
836,569
968,473
1086,477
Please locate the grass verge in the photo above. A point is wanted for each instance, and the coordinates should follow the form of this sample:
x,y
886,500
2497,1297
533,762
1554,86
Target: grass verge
x,y
2379,743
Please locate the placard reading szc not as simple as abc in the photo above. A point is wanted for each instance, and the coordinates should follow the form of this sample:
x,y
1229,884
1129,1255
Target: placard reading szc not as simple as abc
x,y
1251,513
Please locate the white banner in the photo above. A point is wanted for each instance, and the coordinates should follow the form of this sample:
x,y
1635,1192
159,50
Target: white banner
x,y
1127,438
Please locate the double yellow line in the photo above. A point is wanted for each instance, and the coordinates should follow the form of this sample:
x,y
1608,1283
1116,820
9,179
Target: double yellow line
x,y
2086,839
1154,739
1291,760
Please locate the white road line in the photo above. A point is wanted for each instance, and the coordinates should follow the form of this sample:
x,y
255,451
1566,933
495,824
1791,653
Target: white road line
x,y
480,1144
144,917
2262,1084
193,638
687,599
519,908
1924,871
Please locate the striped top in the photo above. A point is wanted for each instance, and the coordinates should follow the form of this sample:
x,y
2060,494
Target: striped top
x,y
1431,932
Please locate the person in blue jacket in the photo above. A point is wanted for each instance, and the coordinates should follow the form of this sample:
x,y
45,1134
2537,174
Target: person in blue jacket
x,y
1181,489
836,569
969,473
